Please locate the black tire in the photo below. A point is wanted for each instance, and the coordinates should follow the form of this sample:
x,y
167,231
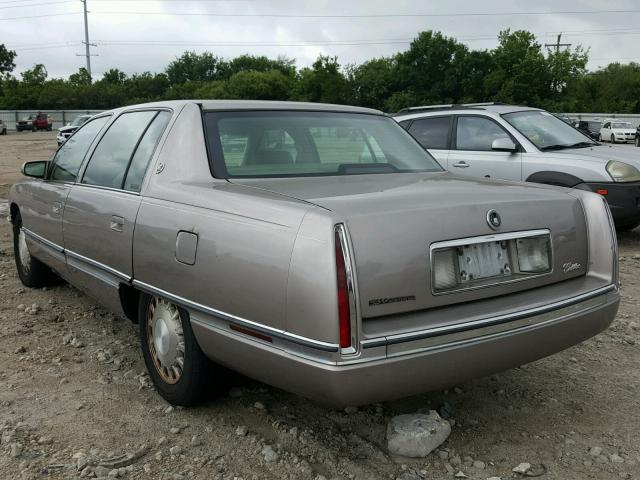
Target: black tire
x,y
613,138
637,141
49,128
33,273
193,382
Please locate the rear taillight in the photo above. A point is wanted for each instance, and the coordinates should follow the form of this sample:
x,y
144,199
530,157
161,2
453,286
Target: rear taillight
x,y
344,314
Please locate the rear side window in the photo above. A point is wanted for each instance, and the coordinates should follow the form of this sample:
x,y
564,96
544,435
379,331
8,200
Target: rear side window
x,y
67,161
108,164
432,132
142,155
477,133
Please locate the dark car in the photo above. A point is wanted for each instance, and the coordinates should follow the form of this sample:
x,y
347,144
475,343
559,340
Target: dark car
x,y
3,128
590,128
637,141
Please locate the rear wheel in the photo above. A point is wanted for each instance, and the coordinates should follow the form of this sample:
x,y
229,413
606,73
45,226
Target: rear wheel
x,y
32,272
177,366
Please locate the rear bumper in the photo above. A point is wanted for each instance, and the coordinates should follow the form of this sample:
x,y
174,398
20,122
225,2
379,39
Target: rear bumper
x,y
623,200
418,363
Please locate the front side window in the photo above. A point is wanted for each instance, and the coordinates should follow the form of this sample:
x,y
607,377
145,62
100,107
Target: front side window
x,y
108,164
622,125
477,133
68,159
545,131
289,143
432,132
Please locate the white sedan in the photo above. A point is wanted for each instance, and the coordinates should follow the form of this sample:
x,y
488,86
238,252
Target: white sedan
x,y
614,132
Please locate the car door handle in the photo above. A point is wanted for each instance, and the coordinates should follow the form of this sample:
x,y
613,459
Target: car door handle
x,y
461,164
117,223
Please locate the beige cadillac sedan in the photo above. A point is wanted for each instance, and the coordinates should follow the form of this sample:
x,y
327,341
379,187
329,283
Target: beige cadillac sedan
x,y
317,248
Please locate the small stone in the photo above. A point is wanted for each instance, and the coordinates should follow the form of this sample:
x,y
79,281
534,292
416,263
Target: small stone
x,y
169,409
595,451
351,410
457,390
460,474
175,430
479,465
259,406
20,350
21,306
522,468
175,450
196,441
114,473
241,431
443,454
269,453
615,458
101,471
416,435
147,468
494,478
81,463
162,441
16,449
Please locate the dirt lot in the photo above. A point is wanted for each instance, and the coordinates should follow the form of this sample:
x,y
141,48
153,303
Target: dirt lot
x,y
73,391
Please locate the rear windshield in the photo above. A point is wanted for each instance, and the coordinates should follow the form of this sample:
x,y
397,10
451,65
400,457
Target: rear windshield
x,y
297,144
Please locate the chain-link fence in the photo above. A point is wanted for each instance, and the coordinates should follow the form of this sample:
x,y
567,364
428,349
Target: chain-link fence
x,y
60,117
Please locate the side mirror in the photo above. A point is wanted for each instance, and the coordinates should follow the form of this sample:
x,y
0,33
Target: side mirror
x,y
503,145
36,169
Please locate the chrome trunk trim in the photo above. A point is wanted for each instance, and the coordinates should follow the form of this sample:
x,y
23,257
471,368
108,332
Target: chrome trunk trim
x,y
500,320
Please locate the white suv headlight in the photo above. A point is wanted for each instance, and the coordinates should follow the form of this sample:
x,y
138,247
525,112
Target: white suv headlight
x,y
623,172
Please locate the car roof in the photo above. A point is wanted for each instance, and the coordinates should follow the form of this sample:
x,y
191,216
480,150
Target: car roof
x,y
238,105
499,108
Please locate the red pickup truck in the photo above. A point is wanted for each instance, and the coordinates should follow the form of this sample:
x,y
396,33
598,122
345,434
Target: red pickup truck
x,y
41,121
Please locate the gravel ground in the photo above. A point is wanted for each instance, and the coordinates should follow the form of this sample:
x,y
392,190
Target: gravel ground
x,y
75,401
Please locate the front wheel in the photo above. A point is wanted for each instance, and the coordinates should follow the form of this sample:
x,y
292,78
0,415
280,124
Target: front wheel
x,y
32,272
637,141
613,139
177,366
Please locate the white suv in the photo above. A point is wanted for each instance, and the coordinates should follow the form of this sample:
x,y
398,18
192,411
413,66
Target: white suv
x,y
493,140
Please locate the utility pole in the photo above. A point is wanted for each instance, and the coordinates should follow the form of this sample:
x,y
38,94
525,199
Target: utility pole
x,y
557,45
87,45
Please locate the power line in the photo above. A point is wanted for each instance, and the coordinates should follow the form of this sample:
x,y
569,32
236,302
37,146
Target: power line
x,y
38,4
40,16
352,16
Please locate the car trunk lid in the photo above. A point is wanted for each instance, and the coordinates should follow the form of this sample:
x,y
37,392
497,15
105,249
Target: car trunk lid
x,y
393,219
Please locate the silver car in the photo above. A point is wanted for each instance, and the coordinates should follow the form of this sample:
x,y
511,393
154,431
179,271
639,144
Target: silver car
x,y
317,248
489,140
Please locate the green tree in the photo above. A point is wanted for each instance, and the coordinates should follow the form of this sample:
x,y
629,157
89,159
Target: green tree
x,y
194,67
80,78
371,83
249,63
6,60
323,82
35,76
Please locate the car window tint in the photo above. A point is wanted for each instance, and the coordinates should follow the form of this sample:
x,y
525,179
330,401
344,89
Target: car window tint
x,y
143,153
69,157
432,132
476,133
110,159
345,144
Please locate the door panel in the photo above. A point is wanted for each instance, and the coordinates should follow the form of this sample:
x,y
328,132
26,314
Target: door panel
x,y
473,155
98,234
41,211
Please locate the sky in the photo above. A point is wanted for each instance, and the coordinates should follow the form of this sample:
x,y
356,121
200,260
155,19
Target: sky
x,y
145,35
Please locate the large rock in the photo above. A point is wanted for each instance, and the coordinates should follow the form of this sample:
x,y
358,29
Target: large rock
x,y
417,435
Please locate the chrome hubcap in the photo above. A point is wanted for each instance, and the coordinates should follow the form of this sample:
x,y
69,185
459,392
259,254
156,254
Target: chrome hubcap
x,y
165,339
23,252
